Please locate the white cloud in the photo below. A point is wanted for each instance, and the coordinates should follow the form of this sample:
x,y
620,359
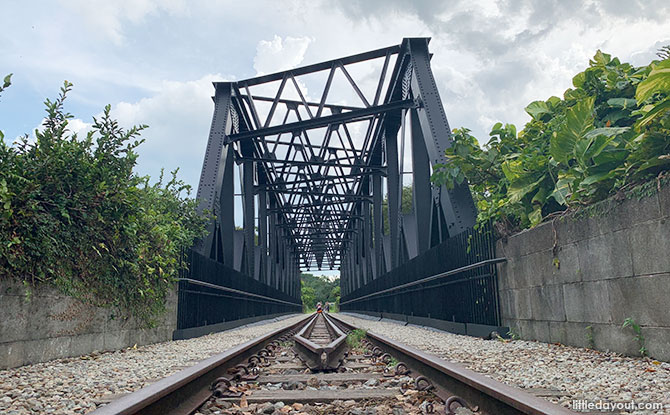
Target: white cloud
x,y
79,127
280,54
178,116
107,17
490,59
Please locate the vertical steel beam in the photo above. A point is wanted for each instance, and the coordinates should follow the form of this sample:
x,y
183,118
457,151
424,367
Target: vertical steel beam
x,y
357,250
282,265
378,223
249,213
457,204
296,277
352,277
226,214
213,167
393,181
343,279
272,233
293,278
263,234
289,270
278,258
352,266
423,201
366,231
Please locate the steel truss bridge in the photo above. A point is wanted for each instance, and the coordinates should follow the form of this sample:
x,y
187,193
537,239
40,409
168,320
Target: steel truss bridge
x,y
314,160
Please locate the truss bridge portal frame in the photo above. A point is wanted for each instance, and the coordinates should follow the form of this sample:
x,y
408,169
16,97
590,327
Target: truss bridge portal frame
x,y
319,176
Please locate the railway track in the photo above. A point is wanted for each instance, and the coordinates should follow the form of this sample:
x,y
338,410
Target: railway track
x,y
311,368
321,344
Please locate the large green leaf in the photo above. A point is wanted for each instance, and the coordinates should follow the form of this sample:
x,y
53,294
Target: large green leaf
x,y
598,144
662,160
553,101
601,59
522,186
610,158
535,217
598,139
657,111
579,120
581,147
562,190
512,169
598,177
657,81
541,196
624,103
614,116
537,109
606,131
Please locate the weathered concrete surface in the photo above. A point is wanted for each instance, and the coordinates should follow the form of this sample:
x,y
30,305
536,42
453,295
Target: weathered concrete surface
x,y
576,280
45,325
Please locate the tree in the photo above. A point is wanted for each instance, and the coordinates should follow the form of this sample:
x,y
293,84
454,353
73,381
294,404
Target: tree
x,y
307,295
608,134
406,206
318,288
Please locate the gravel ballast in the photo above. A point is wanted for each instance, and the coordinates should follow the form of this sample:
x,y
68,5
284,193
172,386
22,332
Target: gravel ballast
x,y
577,373
78,385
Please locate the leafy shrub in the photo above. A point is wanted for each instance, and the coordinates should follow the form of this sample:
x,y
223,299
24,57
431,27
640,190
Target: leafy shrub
x,y
76,216
608,133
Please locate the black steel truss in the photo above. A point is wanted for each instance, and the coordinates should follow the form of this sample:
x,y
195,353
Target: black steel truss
x,y
312,170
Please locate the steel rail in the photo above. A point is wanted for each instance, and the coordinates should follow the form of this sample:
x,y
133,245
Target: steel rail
x,y
452,379
431,278
319,356
185,391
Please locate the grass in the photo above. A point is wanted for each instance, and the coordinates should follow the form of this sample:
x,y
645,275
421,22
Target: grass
x,y
354,339
392,363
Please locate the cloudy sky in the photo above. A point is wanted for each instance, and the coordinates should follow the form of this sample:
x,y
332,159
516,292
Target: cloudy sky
x,y
154,60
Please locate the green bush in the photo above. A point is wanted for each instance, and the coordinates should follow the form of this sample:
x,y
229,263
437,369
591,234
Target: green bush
x,y
76,216
607,134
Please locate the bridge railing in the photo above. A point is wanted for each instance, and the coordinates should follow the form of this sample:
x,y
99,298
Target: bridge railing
x,y
211,293
455,281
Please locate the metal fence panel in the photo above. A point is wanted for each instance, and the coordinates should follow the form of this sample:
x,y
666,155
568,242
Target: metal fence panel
x,y
470,296
210,293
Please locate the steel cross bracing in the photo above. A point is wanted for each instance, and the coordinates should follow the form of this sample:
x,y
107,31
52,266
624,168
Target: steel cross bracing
x,y
316,171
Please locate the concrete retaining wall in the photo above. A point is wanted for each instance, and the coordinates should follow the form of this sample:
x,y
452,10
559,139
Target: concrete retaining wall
x,y
576,280
48,325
